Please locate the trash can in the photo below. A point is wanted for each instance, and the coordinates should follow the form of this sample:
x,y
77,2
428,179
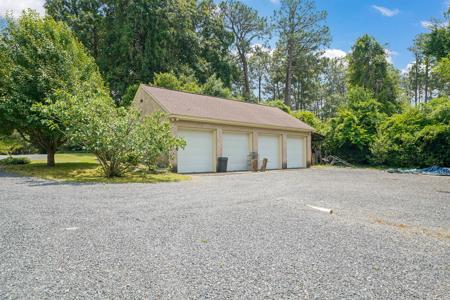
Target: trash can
x,y
222,164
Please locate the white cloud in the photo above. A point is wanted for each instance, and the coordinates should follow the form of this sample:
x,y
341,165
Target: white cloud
x,y
17,6
408,67
430,25
386,11
390,54
334,53
426,24
275,1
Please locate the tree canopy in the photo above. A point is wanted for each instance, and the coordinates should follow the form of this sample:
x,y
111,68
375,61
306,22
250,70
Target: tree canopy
x,y
39,58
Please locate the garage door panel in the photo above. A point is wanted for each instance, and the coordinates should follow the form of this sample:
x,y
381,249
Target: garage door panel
x,y
197,156
296,154
236,148
269,147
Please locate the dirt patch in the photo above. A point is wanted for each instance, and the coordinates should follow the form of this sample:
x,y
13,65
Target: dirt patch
x,y
439,234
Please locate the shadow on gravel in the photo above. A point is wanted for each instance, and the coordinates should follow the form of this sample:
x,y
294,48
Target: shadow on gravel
x,y
29,181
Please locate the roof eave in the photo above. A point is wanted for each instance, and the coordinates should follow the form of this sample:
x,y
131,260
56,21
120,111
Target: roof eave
x,y
235,123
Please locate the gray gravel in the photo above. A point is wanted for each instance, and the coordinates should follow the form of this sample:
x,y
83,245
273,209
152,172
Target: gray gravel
x,y
228,236
30,156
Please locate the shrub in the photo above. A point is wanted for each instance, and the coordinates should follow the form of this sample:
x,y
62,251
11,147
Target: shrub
x,y
309,118
14,161
417,137
280,104
118,136
351,133
13,144
156,143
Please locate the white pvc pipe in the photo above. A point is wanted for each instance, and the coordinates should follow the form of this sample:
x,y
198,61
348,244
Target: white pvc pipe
x,y
327,210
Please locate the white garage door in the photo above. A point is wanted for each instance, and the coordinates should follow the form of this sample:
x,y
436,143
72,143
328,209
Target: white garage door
x,y
269,147
236,148
198,154
296,154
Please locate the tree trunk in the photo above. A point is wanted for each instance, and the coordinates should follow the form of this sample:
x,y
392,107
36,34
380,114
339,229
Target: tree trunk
x,y
416,84
287,88
246,80
259,88
427,67
51,157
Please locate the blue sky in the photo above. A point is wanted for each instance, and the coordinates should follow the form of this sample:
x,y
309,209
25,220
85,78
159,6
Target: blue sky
x,y
392,22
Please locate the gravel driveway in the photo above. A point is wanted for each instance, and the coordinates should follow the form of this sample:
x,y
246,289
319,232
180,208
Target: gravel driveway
x,y
228,236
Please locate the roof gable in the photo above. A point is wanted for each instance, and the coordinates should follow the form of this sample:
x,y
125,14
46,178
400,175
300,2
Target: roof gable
x,y
207,107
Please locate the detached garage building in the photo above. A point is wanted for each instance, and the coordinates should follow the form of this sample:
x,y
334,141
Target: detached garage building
x,y
215,127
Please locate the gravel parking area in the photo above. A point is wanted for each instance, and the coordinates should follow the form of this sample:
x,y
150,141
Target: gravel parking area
x,y
247,235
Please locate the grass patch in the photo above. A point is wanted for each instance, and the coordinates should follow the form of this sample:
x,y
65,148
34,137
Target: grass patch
x,y
83,167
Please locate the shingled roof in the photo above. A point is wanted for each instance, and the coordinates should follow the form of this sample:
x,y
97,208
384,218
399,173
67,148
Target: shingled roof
x,y
218,109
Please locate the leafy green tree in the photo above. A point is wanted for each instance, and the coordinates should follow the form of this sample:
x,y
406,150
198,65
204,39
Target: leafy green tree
x,y
351,133
133,40
128,97
438,43
259,64
246,26
167,80
443,70
85,17
156,143
215,41
418,137
302,31
274,82
119,137
39,58
368,68
280,104
214,87
306,81
332,89
309,118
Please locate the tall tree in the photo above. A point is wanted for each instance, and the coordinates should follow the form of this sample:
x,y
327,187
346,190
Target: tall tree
x,y
40,60
246,26
133,40
259,67
302,30
85,17
369,68
275,75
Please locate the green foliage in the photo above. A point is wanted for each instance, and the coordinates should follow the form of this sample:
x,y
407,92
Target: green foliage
x,y
133,40
183,83
118,136
303,33
443,70
40,57
14,161
128,97
14,144
368,68
309,118
101,128
280,104
167,80
417,137
214,87
156,143
351,133
246,26
438,43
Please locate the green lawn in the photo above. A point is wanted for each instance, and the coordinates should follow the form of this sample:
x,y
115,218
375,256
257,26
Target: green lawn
x,y
83,167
